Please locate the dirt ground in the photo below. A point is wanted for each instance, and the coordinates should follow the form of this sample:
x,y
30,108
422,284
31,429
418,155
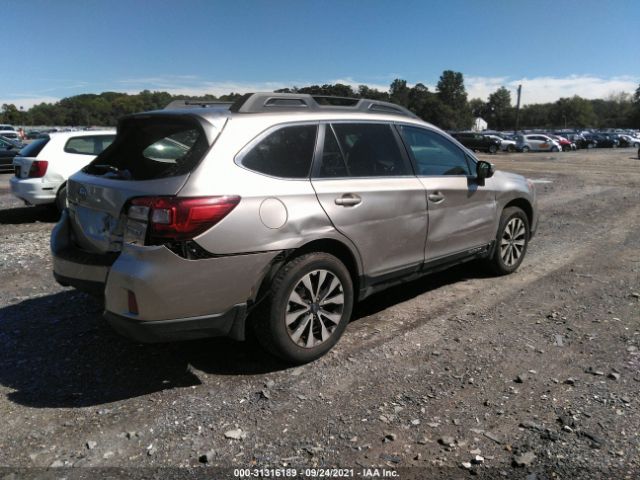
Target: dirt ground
x,y
533,375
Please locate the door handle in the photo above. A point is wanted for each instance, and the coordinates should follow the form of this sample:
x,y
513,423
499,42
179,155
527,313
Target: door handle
x,y
348,200
436,197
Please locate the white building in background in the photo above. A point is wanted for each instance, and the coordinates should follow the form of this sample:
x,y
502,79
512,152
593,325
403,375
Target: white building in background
x,y
479,125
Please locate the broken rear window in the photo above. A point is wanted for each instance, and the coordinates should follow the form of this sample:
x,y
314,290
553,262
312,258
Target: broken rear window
x,y
147,148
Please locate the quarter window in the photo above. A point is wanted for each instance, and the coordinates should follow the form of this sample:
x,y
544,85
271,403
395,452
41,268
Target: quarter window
x,y
88,145
285,153
433,154
365,150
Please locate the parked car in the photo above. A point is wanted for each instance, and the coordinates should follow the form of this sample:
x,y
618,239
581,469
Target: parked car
x,y
579,140
280,214
478,142
33,134
536,143
565,144
603,140
505,145
8,150
9,133
629,141
43,166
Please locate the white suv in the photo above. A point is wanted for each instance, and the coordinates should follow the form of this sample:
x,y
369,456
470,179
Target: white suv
x,y
43,166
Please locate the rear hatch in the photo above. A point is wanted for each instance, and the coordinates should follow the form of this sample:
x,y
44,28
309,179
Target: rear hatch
x,y
152,155
23,162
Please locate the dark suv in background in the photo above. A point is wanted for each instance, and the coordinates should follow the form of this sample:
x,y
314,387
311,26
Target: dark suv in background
x,y
477,142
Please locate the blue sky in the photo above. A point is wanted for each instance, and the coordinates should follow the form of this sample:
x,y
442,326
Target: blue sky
x,y
561,48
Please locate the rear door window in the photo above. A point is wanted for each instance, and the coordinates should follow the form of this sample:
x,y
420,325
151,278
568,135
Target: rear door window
x,y
149,148
285,153
362,150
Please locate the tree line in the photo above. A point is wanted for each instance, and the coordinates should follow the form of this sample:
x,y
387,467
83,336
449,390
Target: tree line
x,y
447,107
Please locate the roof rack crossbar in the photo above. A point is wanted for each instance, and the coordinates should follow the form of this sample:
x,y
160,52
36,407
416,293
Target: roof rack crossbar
x,y
179,104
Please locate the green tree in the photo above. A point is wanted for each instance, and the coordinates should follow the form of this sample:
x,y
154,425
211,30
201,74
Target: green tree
x,y
453,95
372,93
500,113
418,98
634,111
478,107
399,92
572,112
10,113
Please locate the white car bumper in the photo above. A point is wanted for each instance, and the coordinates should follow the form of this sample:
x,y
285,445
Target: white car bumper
x,y
34,191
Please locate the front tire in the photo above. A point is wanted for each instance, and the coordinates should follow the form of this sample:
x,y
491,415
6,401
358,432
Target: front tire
x,y
493,149
555,149
512,240
308,307
525,149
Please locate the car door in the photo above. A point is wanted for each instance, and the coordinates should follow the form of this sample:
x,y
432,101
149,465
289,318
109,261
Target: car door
x,y
461,212
540,143
365,183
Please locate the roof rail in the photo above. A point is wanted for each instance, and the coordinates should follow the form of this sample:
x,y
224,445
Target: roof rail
x,y
289,102
178,104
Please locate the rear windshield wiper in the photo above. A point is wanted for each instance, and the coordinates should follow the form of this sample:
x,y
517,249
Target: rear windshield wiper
x,y
113,172
110,168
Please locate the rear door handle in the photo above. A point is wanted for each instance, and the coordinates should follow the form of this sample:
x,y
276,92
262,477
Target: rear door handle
x,y
348,200
436,197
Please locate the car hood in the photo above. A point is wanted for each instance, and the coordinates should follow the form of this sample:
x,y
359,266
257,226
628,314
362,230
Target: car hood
x,y
509,176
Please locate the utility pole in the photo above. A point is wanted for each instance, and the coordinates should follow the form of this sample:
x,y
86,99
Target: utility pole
x,y
518,108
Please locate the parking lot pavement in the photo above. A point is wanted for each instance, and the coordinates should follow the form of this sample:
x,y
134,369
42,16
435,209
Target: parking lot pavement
x,y
534,372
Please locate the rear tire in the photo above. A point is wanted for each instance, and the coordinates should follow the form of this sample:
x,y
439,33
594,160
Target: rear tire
x,y
512,240
307,308
61,198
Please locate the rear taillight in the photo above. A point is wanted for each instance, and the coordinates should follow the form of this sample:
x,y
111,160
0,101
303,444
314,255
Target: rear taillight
x,y
180,218
38,168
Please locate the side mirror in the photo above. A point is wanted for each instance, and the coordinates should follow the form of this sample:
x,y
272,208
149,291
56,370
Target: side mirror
x,y
484,170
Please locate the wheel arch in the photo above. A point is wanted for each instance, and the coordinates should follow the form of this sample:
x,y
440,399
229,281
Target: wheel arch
x,y
61,186
332,246
524,205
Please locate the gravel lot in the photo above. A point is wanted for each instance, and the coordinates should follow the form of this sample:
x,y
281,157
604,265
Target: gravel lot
x,y
534,375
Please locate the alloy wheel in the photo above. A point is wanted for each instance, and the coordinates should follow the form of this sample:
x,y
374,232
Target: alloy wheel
x,y
314,308
513,241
